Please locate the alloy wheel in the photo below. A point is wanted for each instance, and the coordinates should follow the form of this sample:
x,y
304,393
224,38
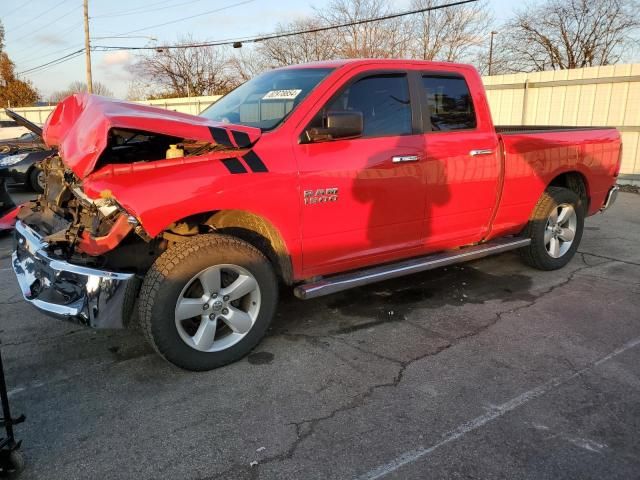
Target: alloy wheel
x,y
217,308
560,230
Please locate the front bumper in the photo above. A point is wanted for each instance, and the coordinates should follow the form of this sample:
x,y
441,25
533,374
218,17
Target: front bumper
x,y
92,297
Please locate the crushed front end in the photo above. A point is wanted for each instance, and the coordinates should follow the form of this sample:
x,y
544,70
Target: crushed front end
x,y
83,257
93,297
61,259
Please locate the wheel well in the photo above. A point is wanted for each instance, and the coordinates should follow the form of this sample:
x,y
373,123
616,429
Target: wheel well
x,y
576,182
246,226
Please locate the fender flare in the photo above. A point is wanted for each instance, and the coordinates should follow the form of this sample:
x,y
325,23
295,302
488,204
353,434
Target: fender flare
x,y
259,232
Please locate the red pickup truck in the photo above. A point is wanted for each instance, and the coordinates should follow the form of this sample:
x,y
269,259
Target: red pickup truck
x,y
323,177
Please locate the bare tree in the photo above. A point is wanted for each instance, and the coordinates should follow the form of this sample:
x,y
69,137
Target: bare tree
x,y
138,89
383,39
563,34
501,63
80,87
448,34
307,47
246,63
186,72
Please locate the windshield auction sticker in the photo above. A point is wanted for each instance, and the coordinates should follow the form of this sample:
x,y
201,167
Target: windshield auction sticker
x,y
282,94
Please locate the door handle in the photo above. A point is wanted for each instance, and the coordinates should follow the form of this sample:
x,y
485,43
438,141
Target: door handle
x,y
405,158
476,153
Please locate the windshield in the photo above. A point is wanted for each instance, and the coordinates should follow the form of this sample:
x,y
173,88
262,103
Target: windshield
x,y
266,100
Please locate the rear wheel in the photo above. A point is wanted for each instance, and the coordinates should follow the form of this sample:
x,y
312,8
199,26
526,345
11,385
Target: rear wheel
x,y
555,229
208,301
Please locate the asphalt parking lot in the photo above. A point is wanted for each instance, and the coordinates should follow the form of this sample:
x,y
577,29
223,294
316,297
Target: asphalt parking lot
x,y
486,370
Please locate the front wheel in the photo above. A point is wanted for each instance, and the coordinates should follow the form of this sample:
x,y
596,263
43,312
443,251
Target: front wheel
x,y
555,229
208,301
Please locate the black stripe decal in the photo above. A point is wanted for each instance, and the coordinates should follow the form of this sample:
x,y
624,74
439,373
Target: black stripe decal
x,y
254,162
242,139
234,165
221,136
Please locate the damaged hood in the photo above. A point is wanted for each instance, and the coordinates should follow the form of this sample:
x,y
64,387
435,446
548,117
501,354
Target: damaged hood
x,y
23,122
80,124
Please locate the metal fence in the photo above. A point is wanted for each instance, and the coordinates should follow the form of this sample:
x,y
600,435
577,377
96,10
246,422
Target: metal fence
x,y
597,96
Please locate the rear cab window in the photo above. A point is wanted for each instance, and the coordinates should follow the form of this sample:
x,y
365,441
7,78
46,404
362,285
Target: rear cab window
x,y
449,102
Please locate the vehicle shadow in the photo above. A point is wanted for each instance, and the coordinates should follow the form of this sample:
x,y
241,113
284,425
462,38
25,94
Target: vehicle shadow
x,y
382,185
399,299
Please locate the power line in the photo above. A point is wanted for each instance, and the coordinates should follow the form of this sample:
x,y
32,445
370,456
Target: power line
x,y
286,34
24,4
39,47
31,19
73,10
71,55
54,62
76,53
244,2
138,10
47,55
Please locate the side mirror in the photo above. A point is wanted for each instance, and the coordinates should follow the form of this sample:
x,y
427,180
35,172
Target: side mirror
x,y
339,124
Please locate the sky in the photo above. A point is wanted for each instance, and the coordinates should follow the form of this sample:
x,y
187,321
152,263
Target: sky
x,y
39,31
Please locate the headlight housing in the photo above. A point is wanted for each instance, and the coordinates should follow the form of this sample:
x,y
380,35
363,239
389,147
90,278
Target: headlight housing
x,y
12,159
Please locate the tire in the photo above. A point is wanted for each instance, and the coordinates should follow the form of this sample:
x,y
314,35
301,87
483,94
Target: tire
x,y
203,276
555,236
36,180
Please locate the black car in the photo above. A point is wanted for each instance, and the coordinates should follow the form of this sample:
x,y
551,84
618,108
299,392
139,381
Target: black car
x,y
20,157
25,142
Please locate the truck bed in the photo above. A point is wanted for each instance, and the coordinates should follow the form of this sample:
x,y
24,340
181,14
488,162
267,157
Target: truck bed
x,y
535,155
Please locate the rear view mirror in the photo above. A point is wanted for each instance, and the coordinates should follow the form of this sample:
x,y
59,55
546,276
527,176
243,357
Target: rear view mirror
x,y
339,124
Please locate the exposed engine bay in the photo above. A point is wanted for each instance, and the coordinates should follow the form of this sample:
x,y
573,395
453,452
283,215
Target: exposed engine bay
x,y
84,230
68,219
129,146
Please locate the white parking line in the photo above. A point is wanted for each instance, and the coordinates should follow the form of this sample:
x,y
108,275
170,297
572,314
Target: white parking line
x,y
497,412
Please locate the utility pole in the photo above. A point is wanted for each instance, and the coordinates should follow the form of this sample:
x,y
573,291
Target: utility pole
x,y
87,46
493,32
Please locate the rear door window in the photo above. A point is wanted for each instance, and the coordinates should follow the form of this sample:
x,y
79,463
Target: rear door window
x,y
450,103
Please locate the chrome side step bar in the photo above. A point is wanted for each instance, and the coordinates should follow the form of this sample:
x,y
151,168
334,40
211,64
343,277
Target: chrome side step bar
x,y
345,281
